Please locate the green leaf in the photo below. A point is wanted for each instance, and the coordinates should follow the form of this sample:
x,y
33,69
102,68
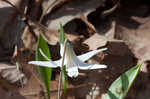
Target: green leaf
x,y
45,72
62,34
122,84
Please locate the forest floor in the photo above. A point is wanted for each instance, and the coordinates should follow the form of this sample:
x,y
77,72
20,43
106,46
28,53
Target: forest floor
x,y
124,28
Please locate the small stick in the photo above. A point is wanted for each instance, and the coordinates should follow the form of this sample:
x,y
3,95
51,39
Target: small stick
x,y
46,10
27,17
7,67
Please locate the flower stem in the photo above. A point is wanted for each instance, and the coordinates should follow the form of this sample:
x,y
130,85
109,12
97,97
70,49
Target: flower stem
x,y
62,64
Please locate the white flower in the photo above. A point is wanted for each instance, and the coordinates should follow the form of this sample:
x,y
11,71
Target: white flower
x,y
72,62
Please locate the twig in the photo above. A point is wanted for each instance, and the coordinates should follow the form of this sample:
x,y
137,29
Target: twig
x,y
7,67
111,10
46,10
29,20
60,77
54,5
20,12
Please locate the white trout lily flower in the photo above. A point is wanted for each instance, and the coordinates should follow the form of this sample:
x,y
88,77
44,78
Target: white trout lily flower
x,y
72,62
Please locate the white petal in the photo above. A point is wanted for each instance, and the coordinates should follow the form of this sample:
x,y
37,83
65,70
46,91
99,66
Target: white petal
x,y
71,68
72,72
90,54
91,66
42,53
58,62
43,63
84,66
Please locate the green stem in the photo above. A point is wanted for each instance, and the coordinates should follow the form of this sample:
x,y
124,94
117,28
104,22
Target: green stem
x,y
62,64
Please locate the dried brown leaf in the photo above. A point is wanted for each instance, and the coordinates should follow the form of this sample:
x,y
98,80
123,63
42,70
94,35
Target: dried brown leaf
x,y
99,40
70,11
96,41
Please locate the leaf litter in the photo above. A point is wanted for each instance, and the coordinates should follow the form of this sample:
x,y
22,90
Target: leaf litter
x,y
125,32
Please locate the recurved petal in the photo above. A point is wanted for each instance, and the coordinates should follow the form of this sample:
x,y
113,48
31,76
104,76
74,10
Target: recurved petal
x,y
86,66
43,63
90,54
72,71
42,53
58,62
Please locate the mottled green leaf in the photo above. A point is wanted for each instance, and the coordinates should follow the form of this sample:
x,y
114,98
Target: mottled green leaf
x,y
45,72
122,84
